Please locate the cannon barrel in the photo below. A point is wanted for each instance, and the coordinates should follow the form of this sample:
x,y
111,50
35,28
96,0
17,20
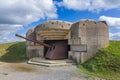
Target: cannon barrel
x,y
36,41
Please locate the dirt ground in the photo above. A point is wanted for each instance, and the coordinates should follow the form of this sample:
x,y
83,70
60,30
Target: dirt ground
x,y
24,71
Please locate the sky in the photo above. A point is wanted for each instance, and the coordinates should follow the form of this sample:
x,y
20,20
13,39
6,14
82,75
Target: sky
x,y
18,16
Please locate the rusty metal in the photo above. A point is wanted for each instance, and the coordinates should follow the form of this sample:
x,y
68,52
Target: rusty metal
x,y
58,50
36,41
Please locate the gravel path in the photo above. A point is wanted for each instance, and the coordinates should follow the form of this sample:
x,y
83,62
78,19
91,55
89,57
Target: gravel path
x,y
23,71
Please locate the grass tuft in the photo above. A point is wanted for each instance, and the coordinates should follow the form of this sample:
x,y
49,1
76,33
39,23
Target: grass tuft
x,y
12,52
106,63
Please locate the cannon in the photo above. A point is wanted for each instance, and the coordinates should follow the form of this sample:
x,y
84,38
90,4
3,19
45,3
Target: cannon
x,y
55,51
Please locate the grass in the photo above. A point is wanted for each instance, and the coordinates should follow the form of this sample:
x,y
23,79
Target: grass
x,y
12,52
106,64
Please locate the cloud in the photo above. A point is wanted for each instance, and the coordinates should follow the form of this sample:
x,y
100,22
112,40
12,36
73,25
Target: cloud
x,y
24,12
114,36
7,28
90,5
111,21
75,4
14,14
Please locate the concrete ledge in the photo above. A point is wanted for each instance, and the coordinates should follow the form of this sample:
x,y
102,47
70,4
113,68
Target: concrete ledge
x,y
48,63
80,48
76,41
35,47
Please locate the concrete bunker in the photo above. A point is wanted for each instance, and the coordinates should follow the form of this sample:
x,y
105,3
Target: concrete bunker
x,y
83,38
55,33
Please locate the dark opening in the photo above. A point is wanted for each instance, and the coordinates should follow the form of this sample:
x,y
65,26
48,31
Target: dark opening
x,y
52,42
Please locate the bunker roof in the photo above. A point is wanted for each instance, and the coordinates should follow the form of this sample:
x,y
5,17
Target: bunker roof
x,y
54,24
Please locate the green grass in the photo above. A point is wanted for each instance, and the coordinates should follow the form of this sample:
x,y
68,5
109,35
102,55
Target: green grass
x,y
12,52
105,64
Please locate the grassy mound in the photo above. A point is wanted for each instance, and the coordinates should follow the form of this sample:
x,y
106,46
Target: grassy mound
x,y
106,63
14,51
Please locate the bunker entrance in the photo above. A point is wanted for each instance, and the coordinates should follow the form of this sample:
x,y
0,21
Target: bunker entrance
x,y
59,49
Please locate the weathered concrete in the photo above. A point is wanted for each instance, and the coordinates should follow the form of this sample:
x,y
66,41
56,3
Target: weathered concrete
x,y
55,24
92,33
33,49
53,30
85,38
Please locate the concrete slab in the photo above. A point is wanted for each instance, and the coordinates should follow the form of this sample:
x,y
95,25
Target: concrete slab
x,y
46,62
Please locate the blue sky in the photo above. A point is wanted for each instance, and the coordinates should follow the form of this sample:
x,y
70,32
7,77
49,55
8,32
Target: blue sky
x,y
17,16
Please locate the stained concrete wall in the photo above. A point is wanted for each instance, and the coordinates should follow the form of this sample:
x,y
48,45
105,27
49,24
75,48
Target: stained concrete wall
x,y
93,34
33,49
37,50
53,24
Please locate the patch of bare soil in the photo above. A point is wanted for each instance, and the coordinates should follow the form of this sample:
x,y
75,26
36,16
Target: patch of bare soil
x,y
23,67
1,63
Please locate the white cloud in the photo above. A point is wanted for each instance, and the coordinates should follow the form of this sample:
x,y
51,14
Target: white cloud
x,y
14,14
24,12
10,38
91,5
76,4
114,36
6,29
111,21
